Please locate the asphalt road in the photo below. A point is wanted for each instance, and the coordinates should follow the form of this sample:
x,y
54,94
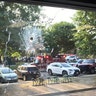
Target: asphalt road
x,y
88,79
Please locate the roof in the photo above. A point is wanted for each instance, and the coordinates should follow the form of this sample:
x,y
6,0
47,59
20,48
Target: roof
x,y
74,4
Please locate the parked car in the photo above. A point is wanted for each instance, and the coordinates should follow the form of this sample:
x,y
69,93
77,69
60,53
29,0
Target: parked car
x,y
62,69
75,63
88,65
71,58
7,75
28,71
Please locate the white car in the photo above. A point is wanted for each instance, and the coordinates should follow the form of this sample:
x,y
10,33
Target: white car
x,y
62,69
71,58
75,63
7,75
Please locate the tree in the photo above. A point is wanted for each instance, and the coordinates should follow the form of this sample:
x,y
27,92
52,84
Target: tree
x,y
59,37
13,16
85,36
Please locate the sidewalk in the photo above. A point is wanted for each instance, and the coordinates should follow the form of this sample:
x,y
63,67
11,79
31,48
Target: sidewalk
x,y
63,89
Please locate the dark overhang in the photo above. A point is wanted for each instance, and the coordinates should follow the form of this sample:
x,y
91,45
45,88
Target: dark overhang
x,y
74,4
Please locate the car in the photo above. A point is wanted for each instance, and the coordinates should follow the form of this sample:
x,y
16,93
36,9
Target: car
x,y
28,71
7,75
71,58
62,68
75,63
88,66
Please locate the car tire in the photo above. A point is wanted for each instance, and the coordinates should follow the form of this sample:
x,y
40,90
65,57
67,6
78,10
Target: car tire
x,y
1,81
92,71
50,72
64,73
24,77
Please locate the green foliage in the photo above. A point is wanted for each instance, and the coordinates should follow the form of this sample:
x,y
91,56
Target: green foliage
x,y
86,36
16,54
59,37
11,17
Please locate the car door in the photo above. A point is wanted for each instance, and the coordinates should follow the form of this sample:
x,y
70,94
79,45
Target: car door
x,y
56,68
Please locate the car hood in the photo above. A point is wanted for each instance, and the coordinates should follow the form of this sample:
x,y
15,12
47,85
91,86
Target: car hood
x,y
10,75
75,68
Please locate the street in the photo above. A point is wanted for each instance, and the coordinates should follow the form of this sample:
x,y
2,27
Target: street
x,y
83,84
88,79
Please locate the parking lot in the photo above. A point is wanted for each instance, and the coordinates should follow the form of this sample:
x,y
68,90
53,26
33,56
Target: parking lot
x,y
80,85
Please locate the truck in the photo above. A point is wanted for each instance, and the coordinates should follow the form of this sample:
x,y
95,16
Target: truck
x,y
42,61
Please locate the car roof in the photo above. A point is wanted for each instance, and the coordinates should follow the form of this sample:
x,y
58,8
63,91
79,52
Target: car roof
x,y
4,68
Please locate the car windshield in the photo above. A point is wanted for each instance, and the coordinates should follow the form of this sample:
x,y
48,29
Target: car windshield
x,y
66,65
72,61
72,56
80,61
32,68
89,61
6,71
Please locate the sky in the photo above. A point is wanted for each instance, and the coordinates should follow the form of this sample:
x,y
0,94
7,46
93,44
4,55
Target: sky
x,y
55,14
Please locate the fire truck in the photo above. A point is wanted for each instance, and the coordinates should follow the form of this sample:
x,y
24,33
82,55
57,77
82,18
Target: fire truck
x,y
42,61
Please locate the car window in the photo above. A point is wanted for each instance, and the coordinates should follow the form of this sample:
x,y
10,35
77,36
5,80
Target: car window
x,y
24,68
72,61
72,56
54,65
32,68
66,65
89,61
80,61
20,68
5,71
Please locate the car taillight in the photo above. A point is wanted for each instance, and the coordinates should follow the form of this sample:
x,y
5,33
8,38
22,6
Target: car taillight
x,y
47,57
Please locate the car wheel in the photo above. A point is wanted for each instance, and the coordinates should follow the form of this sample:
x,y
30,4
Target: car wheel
x,y
92,71
64,73
1,80
24,77
50,72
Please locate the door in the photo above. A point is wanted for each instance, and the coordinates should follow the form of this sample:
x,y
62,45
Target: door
x,y
57,68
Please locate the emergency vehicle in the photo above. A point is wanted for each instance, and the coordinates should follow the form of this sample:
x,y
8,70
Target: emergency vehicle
x,y
42,61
